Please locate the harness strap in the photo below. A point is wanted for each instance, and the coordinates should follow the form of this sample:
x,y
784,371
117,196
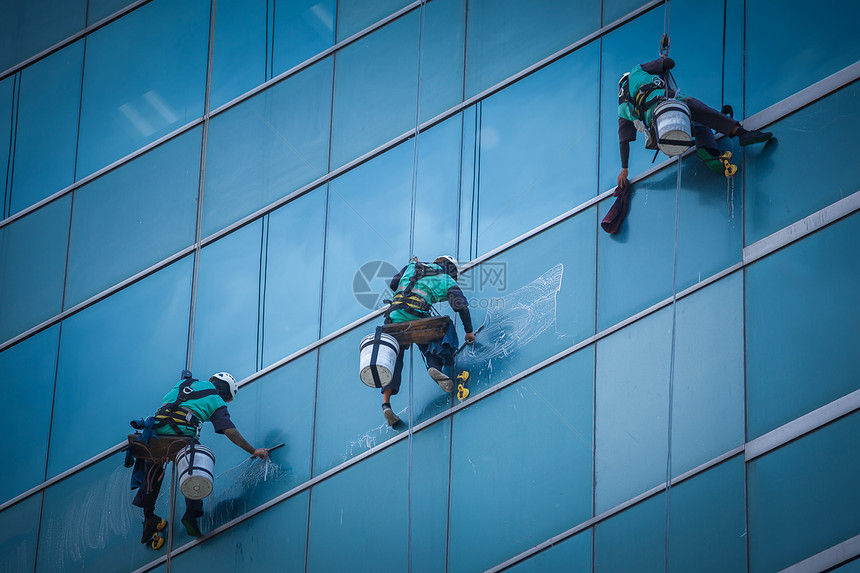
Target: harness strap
x,y
414,304
373,356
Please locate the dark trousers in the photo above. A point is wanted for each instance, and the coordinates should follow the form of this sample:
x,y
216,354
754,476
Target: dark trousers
x,y
432,361
148,492
704,120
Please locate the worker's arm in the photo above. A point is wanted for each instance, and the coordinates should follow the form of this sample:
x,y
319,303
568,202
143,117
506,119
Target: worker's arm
x,y
458,302
658,66
626,134
395,280
240,441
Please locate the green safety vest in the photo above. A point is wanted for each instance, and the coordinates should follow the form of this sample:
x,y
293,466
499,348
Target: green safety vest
x,y
431,289
202,401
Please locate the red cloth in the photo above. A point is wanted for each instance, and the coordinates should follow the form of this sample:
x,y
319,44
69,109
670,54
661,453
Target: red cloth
x,y
613,219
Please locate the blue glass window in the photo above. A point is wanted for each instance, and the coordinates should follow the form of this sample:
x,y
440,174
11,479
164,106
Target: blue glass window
x,y
239,54
355,15
19,534
640,530
268,146
781,190
117,359
792,519
8,88
572,555
47,126
228,304
29,292
100,9
27,405
144,76
506,36
303,28
27,28
537,149
294,259
442,53
428,489
828,45
133,217
797,329
546,485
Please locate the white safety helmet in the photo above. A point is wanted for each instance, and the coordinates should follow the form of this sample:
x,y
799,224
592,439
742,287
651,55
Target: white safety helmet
x,y
450,265
231,382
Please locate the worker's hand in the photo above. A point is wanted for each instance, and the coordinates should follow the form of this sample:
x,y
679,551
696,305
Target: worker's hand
x,y
261,453
622,177
470,338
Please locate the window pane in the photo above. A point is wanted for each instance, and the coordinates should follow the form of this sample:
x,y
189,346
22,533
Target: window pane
x,y
228,304
798,330
572,555
779,187
498,48
829,44
632,407
47,126
534,300
349,414
133,217
294,256
117,360
144,76
708,399
88,521
515,487
267,147
428,488
640,531
792,519
368,222
240,51
19,534
355,15
100,9
303,28
340,507
614,9
27,28
537,140
31,293
25,411
273,541
7,96
707,525
375,89
442,54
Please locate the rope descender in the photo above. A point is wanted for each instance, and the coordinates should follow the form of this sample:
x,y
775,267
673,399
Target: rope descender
x,y
664,46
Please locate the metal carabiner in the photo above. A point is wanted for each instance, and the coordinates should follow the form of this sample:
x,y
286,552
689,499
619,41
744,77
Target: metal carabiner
x,y
664,46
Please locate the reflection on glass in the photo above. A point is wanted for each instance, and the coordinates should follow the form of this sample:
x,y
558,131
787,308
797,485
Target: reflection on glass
x,y
792,519
144,76
442,52
31,293
342,508
130,345
355,15
19,532
798,330
133,217
99,9
572,554
267,147
537,140
303,28
294,255
33,360
546,484
27,28
239,49
228,301
47,126
640,530
497,49
428,487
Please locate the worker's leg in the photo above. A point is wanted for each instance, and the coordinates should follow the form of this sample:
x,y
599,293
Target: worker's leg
x,y
434,369
392,389
147,493
193,510
709,117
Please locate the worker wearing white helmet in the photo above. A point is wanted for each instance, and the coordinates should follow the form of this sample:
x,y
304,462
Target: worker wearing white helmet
x,y
183,410
416,288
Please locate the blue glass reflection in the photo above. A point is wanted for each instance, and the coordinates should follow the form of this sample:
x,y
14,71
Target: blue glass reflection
x,y
546,485
428,489
829,44
537,140
117,359
355,15
302,29
47,126
497,48
29,292
294,260
442,54
25,411
133,217
375,89
27,28
19,533
641,531
228,304
144,76
99,9
798,328
7,90
572,555
239,49
267,147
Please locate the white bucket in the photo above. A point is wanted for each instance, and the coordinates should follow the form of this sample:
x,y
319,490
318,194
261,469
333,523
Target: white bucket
x,y
672,122
381,365
196,479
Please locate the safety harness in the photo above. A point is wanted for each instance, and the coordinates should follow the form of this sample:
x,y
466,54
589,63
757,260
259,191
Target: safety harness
x,y
639,102
178,417
412,300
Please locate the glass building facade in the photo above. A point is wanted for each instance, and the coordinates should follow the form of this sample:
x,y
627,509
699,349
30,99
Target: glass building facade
x,y
221,184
